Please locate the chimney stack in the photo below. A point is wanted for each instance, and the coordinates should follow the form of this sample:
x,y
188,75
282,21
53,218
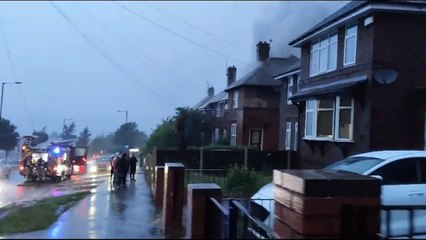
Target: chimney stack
x,y
232,75
263,51
210,91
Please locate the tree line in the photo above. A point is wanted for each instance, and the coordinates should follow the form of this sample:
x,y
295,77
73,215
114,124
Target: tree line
x,y
195,130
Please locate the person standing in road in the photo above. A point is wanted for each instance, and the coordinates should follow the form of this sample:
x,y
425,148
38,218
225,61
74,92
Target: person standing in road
x,y
114,169
123,169
133,161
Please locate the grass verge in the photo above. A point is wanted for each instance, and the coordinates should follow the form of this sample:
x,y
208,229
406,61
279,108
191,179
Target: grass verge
x,y
38,216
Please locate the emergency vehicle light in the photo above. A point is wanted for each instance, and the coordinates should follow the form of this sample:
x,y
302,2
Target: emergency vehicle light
x,y
56,150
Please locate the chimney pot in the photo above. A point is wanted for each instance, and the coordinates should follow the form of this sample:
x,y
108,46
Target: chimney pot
x,y
210,91
232,75
263,51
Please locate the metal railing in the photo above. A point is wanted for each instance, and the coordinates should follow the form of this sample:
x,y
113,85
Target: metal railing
x,y
217,176
400,221
218,217
245,225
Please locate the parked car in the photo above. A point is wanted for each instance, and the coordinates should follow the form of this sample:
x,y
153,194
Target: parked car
x,y
101,164
4,169
404,183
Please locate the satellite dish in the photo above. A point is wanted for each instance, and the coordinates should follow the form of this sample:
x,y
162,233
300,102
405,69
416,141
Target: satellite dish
x,y
385,76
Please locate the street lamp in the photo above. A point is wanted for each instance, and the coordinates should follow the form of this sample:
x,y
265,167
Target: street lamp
x,y
125,111
2,90
63,126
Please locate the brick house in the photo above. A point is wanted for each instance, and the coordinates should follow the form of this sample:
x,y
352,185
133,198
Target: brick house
x,y
362,81
252,117
290,80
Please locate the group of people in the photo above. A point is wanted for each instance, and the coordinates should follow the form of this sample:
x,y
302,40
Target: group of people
x,y
121,166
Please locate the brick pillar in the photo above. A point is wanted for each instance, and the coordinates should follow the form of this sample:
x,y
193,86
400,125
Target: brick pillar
x,y
326,204
159,186
173,198
197,214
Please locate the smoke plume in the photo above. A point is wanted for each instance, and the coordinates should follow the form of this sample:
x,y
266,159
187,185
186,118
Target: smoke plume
x,y
282,22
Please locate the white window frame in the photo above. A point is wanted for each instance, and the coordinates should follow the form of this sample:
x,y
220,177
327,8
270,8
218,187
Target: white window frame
x,y
218,111
235,99
347,37
216,134
335,119
287,141
233,134
296,132
290,89
318,71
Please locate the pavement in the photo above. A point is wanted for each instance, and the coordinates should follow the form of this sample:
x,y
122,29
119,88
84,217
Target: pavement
x,y
107,213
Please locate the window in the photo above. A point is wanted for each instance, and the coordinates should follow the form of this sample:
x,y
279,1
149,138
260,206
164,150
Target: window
x,y
296,132
402,171
323,55
218,112
350,45
287,142
216,134
233,134
329,118
235,99
289,89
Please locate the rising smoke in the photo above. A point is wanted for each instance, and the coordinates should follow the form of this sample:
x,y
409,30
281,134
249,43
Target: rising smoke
x,y
282,22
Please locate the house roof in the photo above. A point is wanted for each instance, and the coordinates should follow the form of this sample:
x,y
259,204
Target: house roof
x,y
203,102
222,96
350,8
264,74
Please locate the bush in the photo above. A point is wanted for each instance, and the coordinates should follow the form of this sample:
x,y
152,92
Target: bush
x,y
240,182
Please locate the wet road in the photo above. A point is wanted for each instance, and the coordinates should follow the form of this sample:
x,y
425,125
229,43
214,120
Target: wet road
x,y
15,190
108,213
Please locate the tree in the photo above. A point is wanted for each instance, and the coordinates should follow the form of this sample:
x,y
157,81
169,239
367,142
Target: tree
x,y
128,134
8,136
192,124
84,138
102,143
68,132
164,136
42,136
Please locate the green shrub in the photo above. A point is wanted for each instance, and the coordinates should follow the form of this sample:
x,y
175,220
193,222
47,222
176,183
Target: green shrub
x,y
240,182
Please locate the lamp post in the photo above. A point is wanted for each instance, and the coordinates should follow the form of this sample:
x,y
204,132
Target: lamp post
x,y
125,111
63,126
2,90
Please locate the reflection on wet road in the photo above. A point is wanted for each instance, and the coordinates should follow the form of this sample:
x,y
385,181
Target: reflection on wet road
x,y
108,213
14,188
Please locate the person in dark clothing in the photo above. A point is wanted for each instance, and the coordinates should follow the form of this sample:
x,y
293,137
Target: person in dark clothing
x,y
123,169
133,161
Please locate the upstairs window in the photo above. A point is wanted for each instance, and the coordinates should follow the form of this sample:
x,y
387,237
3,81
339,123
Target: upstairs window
x,y
323,55
218,110
350,45
235,99
289,89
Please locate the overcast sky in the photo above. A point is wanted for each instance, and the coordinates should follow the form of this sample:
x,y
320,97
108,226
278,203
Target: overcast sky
x,y
86,60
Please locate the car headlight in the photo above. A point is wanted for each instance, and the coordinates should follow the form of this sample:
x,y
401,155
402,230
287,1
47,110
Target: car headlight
x,y
93,168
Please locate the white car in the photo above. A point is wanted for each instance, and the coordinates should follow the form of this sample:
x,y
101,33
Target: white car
x,y
4,169
404,183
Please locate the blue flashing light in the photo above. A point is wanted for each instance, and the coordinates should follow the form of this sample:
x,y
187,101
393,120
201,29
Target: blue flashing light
x,y
56,150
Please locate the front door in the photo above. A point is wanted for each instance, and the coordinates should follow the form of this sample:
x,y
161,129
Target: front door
x,y
256,138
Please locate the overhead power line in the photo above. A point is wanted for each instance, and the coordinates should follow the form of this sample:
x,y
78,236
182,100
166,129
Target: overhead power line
x,y
136,52
111,60
179,35
195,27
15,75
